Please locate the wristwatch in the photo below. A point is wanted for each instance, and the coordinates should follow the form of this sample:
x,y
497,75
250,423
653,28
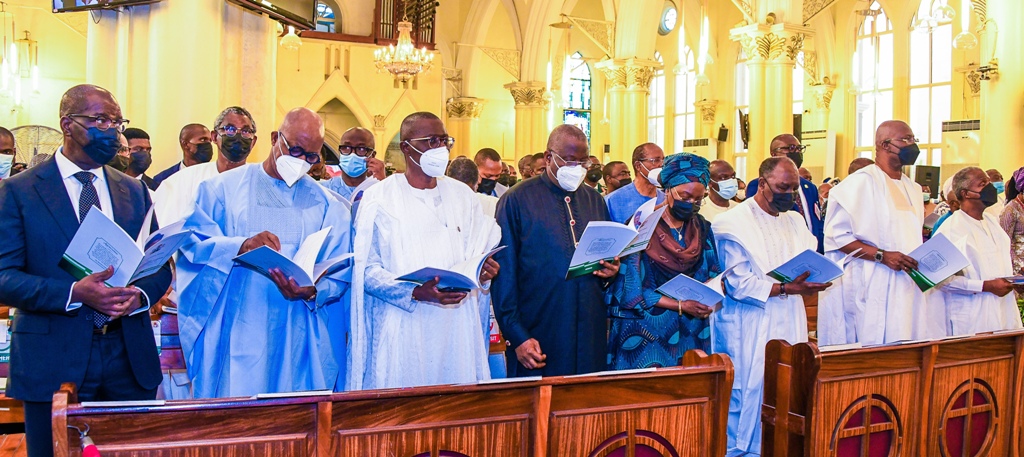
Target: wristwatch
x,y
782,291
878,255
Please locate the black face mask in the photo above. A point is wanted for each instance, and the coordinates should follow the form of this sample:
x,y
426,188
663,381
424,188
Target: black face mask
x,y
796,157
120,163
908,154
624,182
140,162
989,195
235,148
486,186
683,211
594,175
102,146
782,201
204,152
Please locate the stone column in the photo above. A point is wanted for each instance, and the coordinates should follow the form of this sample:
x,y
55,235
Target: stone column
x,y
462,115
531,134
629,84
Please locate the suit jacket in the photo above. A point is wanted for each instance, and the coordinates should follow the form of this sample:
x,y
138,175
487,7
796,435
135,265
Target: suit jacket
x,y
50,345
808,192
160,177
148,182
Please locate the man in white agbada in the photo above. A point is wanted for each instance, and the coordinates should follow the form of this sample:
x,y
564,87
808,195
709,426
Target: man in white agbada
x,y
242,332
754,238
234,131
403,334
978,299
878,213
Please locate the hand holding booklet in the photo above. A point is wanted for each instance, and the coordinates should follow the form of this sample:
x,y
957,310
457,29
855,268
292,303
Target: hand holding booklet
x,y
937,259
462,277
603,240
302,266
683,288
821,269
100,243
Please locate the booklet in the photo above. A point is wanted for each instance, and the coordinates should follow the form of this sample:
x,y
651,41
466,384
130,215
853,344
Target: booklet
x,y
302,266
100,243
937,259
821,268
1015,280
683,287
603,240
462,277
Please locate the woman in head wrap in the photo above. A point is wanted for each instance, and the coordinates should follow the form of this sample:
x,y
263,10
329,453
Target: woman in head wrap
x,y
1012,219
649,329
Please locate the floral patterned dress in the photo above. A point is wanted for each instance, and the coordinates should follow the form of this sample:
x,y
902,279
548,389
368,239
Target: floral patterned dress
x,y
1012,221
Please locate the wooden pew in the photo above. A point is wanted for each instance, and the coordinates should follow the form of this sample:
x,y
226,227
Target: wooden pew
x,y
953,397
676,411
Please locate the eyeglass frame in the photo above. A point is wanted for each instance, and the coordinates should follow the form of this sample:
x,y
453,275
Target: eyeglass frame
x,y
223,130
907,140
792,148
449,141
121,124
572,163
299,153
697,201
341,150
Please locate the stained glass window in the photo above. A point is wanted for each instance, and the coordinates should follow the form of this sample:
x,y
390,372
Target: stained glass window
x,y
873,75
577,94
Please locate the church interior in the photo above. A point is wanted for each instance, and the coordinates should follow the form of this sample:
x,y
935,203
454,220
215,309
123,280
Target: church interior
x,y
716,78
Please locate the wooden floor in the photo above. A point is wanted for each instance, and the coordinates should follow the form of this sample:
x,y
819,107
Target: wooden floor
x,y
13,446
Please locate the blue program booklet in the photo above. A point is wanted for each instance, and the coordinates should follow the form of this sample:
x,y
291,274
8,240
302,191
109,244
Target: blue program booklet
x,y
821,268
462,277
302,266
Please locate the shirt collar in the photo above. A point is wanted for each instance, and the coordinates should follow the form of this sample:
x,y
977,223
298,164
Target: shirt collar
x,y
67,168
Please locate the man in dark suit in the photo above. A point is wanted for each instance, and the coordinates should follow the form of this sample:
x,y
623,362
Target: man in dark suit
x,y
196,147
64,330
806,203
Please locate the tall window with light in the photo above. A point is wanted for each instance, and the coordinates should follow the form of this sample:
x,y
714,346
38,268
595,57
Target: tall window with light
x,y
799,74
872,76
685,118
577,95
931,74
656,105
742,106
325,20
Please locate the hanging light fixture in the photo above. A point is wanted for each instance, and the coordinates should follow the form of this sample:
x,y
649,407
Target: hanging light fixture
x,y
965,39
403,61
939,13
703,57
291,40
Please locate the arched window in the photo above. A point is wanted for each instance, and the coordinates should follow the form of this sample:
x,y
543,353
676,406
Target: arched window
x,y
872,76
325,20
742,108
931,73
656,105
685,120
577,95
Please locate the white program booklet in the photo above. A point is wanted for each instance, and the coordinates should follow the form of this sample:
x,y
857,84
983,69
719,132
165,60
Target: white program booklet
x,y
463,277
822,269
683,287
302,266
937,259
645,220
100,243
603,240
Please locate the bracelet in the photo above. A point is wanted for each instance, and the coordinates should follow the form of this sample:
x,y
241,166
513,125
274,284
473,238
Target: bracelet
x,y
679,303
782,291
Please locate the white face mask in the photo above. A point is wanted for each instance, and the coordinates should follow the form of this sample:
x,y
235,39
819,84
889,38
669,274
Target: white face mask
x,y
433,162
652,176
6,162
727,188
570,178
291,169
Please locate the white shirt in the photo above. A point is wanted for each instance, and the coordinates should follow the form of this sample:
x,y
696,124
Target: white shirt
x,y
67,170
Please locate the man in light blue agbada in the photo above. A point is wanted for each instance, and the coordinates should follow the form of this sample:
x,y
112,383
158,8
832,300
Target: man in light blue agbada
x,y
242,332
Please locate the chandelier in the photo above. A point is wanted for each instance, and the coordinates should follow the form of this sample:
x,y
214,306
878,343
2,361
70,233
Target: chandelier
x,y
403,61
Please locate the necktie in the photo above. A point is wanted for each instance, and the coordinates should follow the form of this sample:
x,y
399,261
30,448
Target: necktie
x,y
87,200
799,203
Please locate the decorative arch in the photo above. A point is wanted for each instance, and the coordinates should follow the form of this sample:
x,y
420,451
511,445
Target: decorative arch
x,y
481,14
868,427
969,420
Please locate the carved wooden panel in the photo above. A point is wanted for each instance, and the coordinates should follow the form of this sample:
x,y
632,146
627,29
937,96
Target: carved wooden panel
x,y
479,439
283,445
647,431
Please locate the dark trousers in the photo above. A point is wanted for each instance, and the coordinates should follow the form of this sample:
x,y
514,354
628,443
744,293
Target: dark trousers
x,y
108,377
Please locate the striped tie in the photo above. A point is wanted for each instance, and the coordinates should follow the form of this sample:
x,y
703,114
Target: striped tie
x,y
87,200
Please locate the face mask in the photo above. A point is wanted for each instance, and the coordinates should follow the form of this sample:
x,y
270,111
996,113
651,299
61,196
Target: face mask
x,y
594,175
102,145
235,148
140,162
625,182
652,177
989,195
570,178
433,162
6,162
204,152
683,211
927,197
782,202
486,186
727,188
291,168
120,163
796,157
352,165
908,154
1000,187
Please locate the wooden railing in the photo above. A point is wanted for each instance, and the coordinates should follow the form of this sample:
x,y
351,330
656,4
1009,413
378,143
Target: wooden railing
x,y
386,16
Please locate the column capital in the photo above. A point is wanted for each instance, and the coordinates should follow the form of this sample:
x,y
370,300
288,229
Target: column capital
x,y
823,93
528,93
629,73
708,109
771,42
464,107
973,77
380,122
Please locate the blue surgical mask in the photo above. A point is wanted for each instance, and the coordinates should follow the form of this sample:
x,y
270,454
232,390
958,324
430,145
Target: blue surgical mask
x,y
1000,187
727,188
102,145
352,165
6,162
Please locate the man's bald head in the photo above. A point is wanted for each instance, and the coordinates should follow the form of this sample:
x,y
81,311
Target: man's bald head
x,y
411,123
720,167
859,163
301,127
889,130
783,140
77,99
191,131
358,136
564,134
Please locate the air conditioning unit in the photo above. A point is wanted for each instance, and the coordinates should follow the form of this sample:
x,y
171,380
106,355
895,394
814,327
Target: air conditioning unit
x,y
820,156
961,146
704,147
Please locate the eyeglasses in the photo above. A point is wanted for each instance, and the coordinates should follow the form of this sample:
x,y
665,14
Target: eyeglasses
x,y
312,158
122,151
905,140
792,148
436,141
656,161
103,122
571,163
231,131
675,196
361,151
